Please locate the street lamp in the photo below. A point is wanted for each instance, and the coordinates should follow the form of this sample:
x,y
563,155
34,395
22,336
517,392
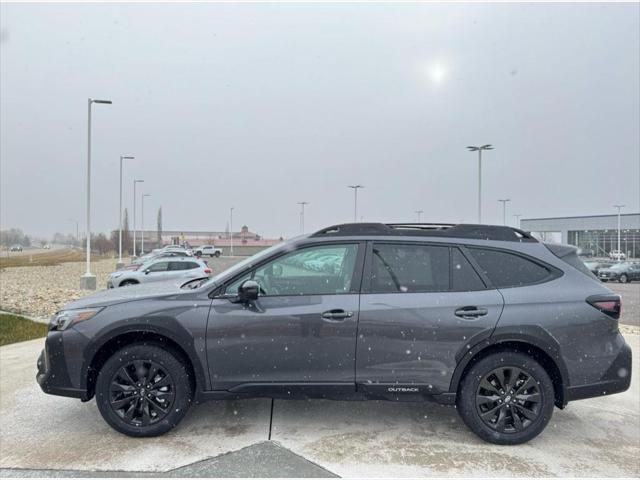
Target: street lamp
x,y
517,217
134,214
142,224
355,205
231,231
504,209
88,280
302,204
619,207
419,212
120,264
479,150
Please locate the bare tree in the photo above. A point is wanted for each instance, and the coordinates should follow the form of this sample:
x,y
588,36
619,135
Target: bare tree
x,y
159,228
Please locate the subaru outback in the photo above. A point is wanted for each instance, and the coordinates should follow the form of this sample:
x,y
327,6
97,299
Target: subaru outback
x,y
485,318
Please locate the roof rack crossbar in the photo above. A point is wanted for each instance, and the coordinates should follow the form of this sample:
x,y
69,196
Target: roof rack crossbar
x,y
479,232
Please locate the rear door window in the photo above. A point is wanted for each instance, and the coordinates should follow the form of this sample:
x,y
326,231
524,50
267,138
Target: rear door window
x,y
506,269
408,268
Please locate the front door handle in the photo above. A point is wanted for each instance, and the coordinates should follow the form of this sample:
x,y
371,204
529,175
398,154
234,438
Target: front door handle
x,y
471,312
336,315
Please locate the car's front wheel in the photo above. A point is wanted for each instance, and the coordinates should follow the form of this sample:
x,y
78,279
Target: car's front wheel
x,y
506,398
623,278
143,390
217,254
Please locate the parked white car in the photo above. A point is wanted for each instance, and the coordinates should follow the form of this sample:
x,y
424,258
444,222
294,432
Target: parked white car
x,y
617,255
208,250
161,269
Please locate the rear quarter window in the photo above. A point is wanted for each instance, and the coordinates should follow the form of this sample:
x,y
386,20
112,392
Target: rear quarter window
x,y
506,269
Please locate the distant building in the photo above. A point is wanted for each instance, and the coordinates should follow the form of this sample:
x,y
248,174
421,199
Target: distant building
x,y
204,237
597,234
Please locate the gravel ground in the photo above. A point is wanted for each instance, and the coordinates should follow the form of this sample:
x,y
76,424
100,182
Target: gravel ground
x,y
40,291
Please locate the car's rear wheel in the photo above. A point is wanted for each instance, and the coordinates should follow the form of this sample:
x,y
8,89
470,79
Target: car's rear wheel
x,y
143,390
506,398
623,278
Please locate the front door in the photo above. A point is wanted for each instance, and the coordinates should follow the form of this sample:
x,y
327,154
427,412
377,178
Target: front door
x,y
300,333
422,307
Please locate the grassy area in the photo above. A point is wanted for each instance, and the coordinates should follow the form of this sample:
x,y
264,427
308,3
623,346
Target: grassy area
x,y
44,259
15,329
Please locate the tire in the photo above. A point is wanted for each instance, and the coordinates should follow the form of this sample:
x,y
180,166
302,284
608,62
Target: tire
x,y
217,254
211,255
128,283
623,278
533,406
162,408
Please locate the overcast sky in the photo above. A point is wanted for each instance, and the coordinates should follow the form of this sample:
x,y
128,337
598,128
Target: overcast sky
x,y
259,106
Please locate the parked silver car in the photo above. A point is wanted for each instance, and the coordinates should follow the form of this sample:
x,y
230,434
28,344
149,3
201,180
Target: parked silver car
x,y
160,269
161,254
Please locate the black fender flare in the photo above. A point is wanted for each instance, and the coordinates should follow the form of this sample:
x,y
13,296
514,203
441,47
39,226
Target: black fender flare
x,y
533,335
184,341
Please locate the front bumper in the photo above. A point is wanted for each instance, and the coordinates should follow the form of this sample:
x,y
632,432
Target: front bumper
x,y
608,277
53,375
616,379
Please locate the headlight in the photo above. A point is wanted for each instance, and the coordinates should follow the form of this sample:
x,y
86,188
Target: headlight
x,y
66,318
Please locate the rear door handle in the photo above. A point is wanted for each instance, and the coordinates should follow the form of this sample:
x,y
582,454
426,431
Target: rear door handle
x,y
471,312
336,315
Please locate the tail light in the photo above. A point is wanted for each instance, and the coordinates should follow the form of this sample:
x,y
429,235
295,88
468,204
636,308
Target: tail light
x,y
608,304
207,270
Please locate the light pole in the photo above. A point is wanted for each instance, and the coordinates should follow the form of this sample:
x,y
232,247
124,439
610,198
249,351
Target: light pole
x,y
419,212
355,204
517,217
504,209
120,264
88,280
479,150
231,231
619,207
302,204
142,224
134,214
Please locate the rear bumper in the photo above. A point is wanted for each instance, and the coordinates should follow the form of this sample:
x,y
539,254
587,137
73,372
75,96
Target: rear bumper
x,y
53,376
616,379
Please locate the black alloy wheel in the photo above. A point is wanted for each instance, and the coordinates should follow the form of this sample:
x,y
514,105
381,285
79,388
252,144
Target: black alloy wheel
x,y
508,399
141,392
144,389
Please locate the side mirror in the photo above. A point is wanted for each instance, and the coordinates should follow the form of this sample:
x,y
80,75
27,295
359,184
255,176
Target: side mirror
x,y
248,291
146,272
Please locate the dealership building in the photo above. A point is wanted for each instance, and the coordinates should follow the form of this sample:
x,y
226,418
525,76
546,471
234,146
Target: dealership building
x,y
596,234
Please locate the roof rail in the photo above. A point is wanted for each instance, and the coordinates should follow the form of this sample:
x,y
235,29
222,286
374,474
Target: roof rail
x,y
462,230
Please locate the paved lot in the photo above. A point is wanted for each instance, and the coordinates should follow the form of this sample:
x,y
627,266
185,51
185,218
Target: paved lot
x,y
597,437
630,293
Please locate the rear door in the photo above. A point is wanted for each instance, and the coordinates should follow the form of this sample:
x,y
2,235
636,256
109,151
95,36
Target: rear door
x,y
422,306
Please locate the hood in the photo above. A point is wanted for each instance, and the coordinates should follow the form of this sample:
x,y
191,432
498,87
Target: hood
x,y
104,298
611,270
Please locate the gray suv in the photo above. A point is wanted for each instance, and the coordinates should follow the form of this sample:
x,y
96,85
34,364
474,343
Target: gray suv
x,y
482,317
